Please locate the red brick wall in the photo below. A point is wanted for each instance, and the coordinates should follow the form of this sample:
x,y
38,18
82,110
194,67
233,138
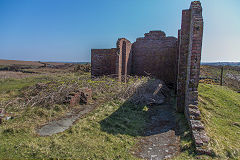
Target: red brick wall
x,y
103,61
183,59
190,46
155,55
123,64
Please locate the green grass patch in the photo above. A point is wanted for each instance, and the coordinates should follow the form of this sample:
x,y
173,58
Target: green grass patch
x,y
220,108
112,130
109,132
15,85
95,137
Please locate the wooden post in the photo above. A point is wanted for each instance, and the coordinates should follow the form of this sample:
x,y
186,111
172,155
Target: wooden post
x,y
221,80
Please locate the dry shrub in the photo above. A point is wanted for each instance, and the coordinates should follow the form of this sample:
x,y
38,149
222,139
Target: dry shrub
x,y
48,94
43,95
138,90
82,67
152,92
208,81
16,75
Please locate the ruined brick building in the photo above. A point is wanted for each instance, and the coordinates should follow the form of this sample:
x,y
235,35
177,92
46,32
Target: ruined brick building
x,y
174,60
154,54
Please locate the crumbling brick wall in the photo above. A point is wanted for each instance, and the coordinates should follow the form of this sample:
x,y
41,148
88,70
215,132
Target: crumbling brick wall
x,y
155,55
103,61
183,52
189,50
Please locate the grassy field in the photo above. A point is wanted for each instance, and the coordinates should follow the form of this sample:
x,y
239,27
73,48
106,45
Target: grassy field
x,y
110,131
220,108
92,137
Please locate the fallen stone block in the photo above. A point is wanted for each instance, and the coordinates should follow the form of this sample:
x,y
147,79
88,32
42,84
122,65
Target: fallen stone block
x,y
4,116
203,151
196,125
193,117
192,106
197,139
194,114
83,96
204,137
195,103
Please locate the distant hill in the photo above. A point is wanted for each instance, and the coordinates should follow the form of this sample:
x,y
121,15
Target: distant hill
x,y
74,62
34,63
221,63
16,62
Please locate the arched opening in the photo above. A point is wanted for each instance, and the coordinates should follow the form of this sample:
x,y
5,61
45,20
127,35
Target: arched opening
x,y
124,60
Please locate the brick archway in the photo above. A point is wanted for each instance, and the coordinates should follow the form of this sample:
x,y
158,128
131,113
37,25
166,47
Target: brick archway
x,y
123,63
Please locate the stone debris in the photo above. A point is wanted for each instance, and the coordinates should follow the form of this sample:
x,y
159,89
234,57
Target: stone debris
x,y
82,96
4,116
152,93
199,135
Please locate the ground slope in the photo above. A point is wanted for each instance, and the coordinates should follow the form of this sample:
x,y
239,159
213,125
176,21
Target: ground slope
x,y
113,129
220,108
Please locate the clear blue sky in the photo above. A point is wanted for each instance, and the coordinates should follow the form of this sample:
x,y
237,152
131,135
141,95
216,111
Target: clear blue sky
x,y
66,30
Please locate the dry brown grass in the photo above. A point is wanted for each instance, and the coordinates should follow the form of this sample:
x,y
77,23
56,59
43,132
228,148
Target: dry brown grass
x,y
23,69
11,74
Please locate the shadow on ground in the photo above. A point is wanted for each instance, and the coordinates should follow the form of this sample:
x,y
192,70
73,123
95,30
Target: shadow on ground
x,y
134,120
133,116
155,123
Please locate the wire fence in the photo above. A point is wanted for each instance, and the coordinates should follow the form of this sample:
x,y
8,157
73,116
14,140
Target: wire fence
x,y
221,75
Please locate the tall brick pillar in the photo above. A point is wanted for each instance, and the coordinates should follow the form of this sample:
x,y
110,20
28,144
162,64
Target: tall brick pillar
x,y
189,50
123,63
195,48
183,59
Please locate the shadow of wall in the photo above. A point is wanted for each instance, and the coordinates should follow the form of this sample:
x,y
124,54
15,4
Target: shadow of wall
x,y
134,115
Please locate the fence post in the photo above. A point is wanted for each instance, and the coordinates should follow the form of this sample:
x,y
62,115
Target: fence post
x,y
221,81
